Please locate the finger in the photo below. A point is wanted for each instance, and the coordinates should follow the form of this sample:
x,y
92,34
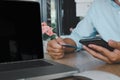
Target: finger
x,y
55,49
112,56
96,54
56,56
59,57
60,40
115,56
54,44
114,44
55,53
108,54
101,50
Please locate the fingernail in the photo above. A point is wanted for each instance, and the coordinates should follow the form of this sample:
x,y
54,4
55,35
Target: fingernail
x,y
111,41
84,46
91,45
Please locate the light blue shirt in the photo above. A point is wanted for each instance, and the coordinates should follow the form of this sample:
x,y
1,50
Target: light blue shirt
x,y
103,17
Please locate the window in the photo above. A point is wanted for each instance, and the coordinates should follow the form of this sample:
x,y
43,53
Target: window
x,y
59,14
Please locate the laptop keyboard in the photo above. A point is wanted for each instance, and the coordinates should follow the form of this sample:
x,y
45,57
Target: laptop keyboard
x,y
27,64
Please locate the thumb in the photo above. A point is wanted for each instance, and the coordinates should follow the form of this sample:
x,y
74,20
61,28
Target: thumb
x,y
114,44
60,40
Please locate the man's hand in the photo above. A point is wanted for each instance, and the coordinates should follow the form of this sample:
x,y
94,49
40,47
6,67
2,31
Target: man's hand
x,y
56,50
104,54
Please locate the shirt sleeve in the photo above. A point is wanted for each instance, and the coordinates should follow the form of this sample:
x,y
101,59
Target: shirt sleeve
x,y
84,29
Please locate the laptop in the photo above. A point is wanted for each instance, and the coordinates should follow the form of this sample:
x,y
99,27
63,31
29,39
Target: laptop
x,y
21,47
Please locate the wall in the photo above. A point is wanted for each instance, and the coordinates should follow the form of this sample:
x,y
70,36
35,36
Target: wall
x,y
82,7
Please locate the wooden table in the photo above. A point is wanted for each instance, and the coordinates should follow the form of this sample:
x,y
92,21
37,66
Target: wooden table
x,y
84,61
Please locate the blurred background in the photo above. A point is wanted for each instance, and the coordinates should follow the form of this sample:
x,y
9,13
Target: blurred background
x,y
63,15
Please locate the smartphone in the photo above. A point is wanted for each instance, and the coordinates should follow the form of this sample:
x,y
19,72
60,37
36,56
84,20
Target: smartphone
x,y
96,41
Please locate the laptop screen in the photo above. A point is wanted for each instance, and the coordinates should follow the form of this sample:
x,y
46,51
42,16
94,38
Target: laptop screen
x,y
20,31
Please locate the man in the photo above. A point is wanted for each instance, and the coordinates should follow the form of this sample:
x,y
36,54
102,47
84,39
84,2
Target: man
x,y
103,18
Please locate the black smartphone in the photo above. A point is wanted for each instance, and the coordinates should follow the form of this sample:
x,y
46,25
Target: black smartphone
x,y
96,41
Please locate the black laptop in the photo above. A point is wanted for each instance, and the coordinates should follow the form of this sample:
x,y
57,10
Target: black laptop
x,y
21,48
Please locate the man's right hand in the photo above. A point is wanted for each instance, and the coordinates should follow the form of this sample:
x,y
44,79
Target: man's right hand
x,y
55,48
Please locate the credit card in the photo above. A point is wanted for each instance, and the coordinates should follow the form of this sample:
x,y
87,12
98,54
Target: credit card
x,y
70,46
